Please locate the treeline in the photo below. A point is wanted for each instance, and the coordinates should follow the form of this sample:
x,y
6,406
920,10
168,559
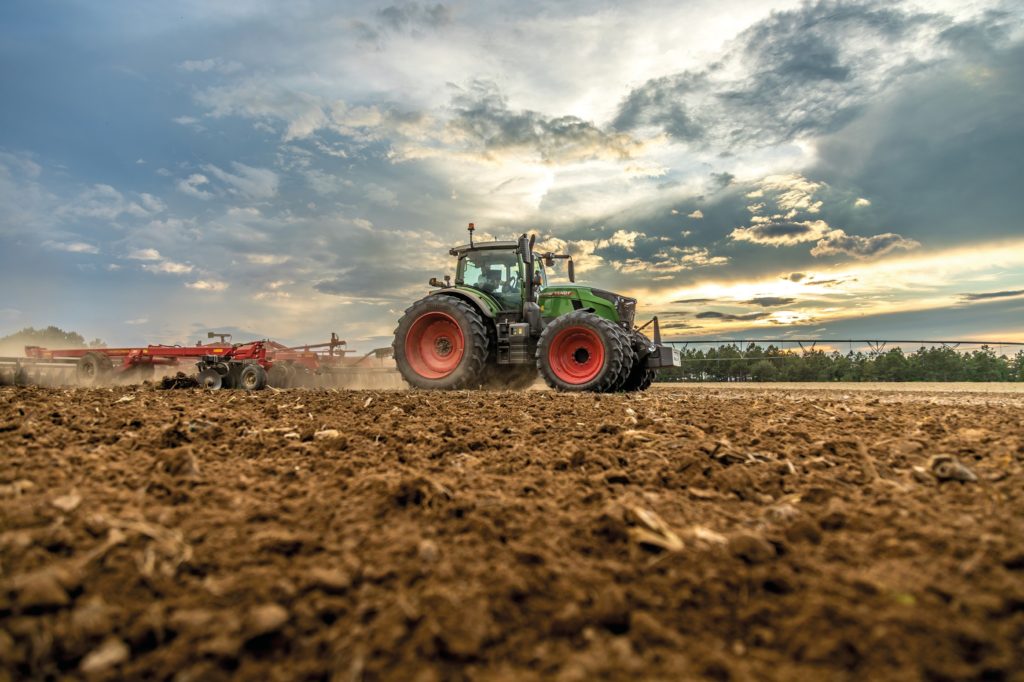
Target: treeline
x,y
50,337
730,363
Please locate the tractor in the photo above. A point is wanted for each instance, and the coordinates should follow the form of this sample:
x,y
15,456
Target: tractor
x,y
501,322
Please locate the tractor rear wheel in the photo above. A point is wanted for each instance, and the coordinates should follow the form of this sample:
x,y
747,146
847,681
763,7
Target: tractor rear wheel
x,y
581,351
441,343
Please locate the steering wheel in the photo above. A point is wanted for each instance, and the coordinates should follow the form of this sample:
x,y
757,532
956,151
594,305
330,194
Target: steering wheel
x,y
513,283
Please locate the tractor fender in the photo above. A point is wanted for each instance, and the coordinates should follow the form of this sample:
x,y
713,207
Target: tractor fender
x,y
476,301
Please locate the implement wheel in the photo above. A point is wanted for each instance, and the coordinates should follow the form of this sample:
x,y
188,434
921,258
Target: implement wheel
x,y
581,351
93,368
252,378
211,379
441,343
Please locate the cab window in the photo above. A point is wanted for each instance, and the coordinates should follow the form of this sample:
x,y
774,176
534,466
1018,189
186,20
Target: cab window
x,y
494,272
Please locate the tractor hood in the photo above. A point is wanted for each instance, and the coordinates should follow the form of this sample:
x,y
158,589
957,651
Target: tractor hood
x,y
558,299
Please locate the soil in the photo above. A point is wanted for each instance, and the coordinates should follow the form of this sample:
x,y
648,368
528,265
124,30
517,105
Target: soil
x,y
361,535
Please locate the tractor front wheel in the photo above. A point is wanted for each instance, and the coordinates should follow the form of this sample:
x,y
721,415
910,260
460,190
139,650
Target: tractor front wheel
x,y
441,343
581,351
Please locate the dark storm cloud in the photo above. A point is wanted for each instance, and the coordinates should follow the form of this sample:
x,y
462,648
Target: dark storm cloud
x,y
991,295
483,115
805,71
742,317
796,276
939,159
770,301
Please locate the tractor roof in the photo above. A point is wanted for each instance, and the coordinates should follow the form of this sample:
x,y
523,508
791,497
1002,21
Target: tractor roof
x,y
483,246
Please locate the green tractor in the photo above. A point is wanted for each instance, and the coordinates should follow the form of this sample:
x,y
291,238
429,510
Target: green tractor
x,y
501,322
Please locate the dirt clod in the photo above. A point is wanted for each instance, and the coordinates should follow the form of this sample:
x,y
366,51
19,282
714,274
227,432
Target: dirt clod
x,y
42,591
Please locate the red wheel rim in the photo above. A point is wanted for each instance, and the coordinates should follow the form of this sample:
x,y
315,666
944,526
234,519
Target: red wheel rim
x,y
434,345
576,355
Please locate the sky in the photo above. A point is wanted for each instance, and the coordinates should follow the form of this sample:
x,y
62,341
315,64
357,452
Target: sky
x,y
287,170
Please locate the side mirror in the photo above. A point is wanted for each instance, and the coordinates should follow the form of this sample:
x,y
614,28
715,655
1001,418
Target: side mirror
x,y
572,272
549,261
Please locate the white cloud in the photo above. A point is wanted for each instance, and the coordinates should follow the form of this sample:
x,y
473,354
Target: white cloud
x,y
137,321
192,186
106,203
207,285
255,183
144,254
169,268
861,201
696,215
71,247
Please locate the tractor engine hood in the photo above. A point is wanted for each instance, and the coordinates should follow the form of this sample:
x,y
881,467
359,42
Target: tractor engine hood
x,y
624,306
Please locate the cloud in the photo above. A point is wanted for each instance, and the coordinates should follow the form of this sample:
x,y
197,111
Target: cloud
x,y
730,317
696,215
491,129
207,65
71,247
861,202
671,260
192,186
838,242
413,15
207,285
255,183
686,301
782,233
992,295
168,268
770,301
796,276
144,254
267,258
799,72
137,321
106,203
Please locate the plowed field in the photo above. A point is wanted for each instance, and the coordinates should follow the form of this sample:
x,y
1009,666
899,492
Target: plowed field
x,y
361,535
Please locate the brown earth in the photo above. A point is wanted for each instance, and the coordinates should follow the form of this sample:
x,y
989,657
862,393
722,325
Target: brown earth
x,y
683,533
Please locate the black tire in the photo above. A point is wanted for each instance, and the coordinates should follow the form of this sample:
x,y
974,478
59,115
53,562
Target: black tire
x,y
458,354
570,342
639,378
93,368
210,379
252,378
629,362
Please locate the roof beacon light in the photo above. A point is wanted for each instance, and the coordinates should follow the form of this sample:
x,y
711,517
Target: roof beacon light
x,y
471,228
